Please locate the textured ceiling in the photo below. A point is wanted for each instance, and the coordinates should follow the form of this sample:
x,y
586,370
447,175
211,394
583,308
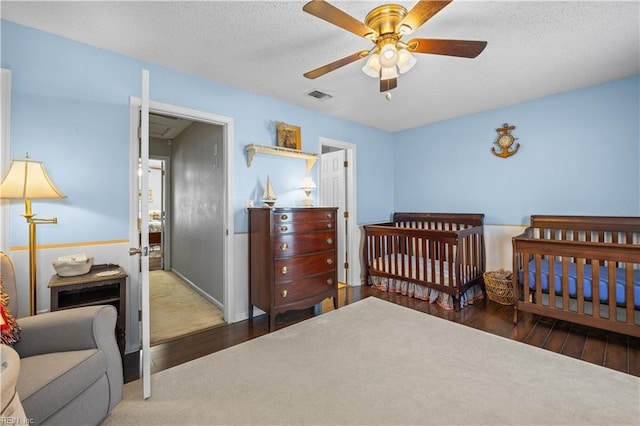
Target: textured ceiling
x,y
534,49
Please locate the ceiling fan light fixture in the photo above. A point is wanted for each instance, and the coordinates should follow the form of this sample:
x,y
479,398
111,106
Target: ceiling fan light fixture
x,y
406,61
404,30
372,66
388,73
388,55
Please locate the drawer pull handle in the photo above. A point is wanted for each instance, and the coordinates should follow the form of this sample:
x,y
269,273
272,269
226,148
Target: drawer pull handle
x,y
329,215
330,281
284,217
284,246
284,293
284,228
329,225
284,270
329,241
329,261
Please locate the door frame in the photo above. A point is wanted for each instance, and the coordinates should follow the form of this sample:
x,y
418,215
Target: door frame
x,y
227,124
166,194
353,251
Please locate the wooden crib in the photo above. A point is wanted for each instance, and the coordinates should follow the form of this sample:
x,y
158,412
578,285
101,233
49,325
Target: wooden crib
x,y
434,256
557,260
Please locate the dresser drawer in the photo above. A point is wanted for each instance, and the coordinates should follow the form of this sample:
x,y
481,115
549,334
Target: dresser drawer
x,y
292,291
299,266
304,216
291,227
296,244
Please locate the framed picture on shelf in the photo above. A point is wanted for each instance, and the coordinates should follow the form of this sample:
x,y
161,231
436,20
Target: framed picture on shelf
x,y
288,136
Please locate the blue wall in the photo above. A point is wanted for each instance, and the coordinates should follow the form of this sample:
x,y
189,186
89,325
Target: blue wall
x,y
70,110
579,154
580,151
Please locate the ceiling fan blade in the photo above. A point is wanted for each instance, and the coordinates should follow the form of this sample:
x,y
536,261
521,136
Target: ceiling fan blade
x,y
336,64
335,16
388,84
421,13
461,48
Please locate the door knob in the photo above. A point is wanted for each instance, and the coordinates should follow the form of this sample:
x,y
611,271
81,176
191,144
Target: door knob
x,y
144,251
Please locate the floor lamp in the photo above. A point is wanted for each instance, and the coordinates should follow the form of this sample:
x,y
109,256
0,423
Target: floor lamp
x,y
28,180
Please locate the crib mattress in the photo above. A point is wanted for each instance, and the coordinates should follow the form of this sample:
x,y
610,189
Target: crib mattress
x,y
587,281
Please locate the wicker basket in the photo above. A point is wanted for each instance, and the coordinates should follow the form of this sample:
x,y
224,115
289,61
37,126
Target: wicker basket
x,y
499,286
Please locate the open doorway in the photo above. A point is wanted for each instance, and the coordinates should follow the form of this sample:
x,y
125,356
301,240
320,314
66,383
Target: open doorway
x,y
157,209
186,243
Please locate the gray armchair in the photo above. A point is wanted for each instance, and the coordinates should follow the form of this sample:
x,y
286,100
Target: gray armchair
x,y
70,364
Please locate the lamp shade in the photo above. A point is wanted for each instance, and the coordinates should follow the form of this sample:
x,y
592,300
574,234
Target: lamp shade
x,y
307,183
372,66
28,179
388,73
406,61
388,56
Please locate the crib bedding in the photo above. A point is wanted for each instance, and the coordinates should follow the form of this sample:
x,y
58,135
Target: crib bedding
x,y
587,283
396,264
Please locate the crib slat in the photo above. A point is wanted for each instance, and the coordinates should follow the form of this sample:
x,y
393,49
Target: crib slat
x,y
526,284
595,286
580,278
551,267
612,290
441,254
565,284
450,266
538,279
629,299
432,259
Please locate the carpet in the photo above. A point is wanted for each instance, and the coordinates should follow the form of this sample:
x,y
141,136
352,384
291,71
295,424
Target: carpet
x,y
176,309
374,362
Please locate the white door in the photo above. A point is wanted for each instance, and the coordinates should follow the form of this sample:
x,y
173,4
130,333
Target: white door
x,y
143,226
333,194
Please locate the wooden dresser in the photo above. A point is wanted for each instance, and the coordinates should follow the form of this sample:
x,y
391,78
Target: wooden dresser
x,y
292,258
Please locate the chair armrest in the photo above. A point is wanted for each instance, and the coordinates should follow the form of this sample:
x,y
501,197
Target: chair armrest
x,y
90,327
67,330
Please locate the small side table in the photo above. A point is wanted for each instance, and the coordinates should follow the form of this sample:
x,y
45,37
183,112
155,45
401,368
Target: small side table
x,y
92,289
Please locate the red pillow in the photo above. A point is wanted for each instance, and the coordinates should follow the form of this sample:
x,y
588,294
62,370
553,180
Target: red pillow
x,y
9,328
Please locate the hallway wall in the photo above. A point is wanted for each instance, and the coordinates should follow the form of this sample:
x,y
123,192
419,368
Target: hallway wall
x,y
197,207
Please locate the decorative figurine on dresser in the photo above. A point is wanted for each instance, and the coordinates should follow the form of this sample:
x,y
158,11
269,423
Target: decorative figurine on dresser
x,y
292,259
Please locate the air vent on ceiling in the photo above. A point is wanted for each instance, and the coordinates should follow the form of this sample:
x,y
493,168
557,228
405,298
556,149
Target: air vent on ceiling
x,y
319,95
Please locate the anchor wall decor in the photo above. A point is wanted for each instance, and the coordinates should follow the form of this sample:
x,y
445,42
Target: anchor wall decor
x,y
504,142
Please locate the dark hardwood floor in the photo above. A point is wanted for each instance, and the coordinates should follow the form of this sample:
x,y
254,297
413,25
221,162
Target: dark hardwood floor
x,y
611,350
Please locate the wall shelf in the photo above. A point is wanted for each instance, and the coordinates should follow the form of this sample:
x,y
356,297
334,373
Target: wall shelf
x,y
253,149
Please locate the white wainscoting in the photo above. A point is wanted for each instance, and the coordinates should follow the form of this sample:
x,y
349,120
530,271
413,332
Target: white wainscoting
x,y
498,245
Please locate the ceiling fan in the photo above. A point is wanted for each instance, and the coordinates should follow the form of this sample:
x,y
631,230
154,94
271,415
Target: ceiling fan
x,y
385,26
